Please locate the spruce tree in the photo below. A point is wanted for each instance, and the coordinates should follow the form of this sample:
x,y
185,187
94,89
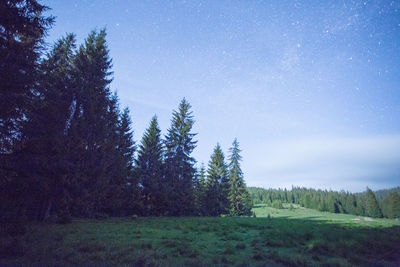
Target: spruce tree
x,y
93,126
392,205
46,130
43,156
23,27
126,149
215,191
149,169
120,148
179,145
239,197
199,190
371,205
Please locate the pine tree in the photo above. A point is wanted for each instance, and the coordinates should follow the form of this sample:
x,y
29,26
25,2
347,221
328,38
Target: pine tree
x,y
371,205
119,148
93,126
392,205
43,154
239,197
215,192
46,130
126,149
22,29
149,168
180,169
199,190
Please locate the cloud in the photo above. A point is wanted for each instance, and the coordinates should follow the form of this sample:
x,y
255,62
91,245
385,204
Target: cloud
x,y
350,163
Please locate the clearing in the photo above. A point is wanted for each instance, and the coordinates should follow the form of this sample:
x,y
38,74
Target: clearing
x,y
286,237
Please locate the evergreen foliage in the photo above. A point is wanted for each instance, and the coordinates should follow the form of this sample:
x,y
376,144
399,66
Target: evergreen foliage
x,y
93,126
239,197
149,168
23,26
45,133
391,205
180,171
371,205
217,184
22,29
67,149
331,201
199,185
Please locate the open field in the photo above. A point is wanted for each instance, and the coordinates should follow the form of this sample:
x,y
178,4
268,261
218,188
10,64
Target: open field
x,y
327,217
297,237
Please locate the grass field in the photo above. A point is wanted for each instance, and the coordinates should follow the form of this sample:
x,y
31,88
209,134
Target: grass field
x,y
288,237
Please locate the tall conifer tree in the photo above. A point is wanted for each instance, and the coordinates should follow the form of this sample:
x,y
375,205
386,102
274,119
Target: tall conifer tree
x,y
149,168
179,144
23,27
126,150
391,205
43,156
239,197
93,134
371,205
215,192
46,131
22,30
199,190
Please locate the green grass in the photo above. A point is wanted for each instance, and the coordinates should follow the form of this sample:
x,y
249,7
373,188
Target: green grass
x,y
309,214
298,237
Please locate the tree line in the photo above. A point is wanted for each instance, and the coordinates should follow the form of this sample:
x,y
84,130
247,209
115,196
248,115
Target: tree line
x,y
387,204
66,145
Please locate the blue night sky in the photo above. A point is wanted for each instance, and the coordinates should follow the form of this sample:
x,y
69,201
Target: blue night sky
x,y
311,89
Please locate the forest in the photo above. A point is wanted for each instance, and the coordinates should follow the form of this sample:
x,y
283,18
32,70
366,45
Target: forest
x,y
382,203
76,189
67,147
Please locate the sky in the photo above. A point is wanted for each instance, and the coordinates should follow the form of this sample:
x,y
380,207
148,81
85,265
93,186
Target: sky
x,y
311,89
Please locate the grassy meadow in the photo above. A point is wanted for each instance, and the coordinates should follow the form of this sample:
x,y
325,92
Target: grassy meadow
x,y
276,237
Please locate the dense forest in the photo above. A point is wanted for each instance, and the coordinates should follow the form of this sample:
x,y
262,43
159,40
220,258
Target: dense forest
x,y
66,145
67,148
383,203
